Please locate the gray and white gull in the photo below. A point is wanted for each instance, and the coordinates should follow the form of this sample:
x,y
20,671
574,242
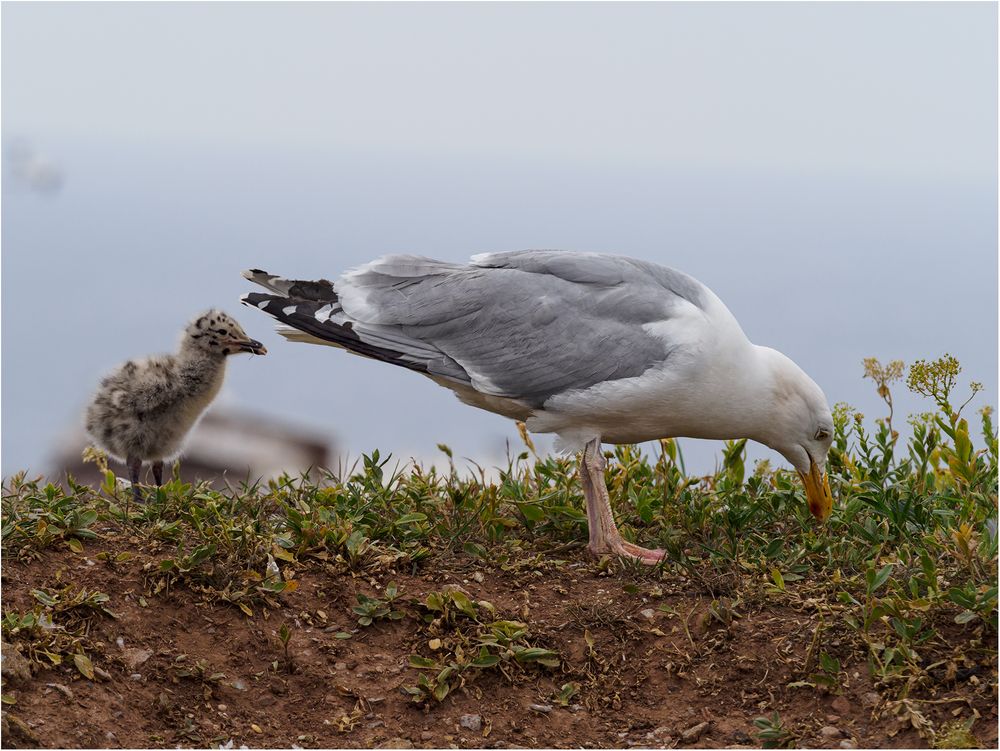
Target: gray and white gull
x,y
594,348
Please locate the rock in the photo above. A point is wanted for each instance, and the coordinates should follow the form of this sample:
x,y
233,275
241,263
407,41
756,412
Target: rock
x,y
137,677
478,576
662,732
136,657
870,699
841,705
239,684
396,743
340,666
471,722
64,690
120,642
543,708
829,732
847,743
649,614
694,732
426,735
13,665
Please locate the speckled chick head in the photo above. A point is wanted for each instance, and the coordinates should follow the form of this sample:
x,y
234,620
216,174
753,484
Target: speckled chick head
x,y
216,333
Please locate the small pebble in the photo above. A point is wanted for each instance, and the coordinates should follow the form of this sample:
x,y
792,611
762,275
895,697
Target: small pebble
x,y
340,666
239,685
256,728
694,732
223,707
841,705
471,722
829,731
847,743
120,642
478,576
543,708
64,690
396,743
648,614
135,677
426,735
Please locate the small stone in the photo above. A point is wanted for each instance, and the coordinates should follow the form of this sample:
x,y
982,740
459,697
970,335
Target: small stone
x,y
543,708
13,665
694,732
137,677
340,666
648,614
223,707
478,576
471,722
661,731
841,705
256,728
847,743
239,684
396,743
120,642
870,699
136,657
426,735
64,690
830,732
102,673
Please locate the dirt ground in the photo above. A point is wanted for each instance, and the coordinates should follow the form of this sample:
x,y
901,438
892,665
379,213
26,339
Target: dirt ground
x,y
175,670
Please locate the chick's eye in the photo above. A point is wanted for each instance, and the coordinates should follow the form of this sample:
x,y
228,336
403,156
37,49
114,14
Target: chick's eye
x,y
822,433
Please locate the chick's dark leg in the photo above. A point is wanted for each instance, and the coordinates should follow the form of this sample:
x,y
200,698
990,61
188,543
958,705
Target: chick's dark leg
x,y
134,465
158,473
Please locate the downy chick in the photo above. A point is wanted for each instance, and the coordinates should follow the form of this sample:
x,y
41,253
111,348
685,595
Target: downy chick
x,y
144,409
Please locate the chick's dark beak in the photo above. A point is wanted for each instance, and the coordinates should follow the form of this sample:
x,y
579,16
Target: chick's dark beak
x,y
252,346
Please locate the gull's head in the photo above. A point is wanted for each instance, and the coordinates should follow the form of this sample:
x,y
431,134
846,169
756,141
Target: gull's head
x,y
800,428
217,333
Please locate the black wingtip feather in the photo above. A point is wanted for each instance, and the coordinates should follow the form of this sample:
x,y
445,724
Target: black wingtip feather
x,y
304,319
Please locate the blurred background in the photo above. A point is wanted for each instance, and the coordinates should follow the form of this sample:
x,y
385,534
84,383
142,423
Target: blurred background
x,y
828,169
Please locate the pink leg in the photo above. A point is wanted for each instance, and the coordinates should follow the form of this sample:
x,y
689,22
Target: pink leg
x,y
604,534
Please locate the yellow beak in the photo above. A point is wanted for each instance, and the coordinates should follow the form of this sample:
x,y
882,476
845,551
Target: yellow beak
x,y
817,492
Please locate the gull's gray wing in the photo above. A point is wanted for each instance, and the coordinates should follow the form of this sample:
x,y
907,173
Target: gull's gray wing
x,y
525,325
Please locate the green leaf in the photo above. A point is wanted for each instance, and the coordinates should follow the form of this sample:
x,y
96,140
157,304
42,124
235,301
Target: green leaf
x,y
44,597
531,512
84,665
422,663
463,603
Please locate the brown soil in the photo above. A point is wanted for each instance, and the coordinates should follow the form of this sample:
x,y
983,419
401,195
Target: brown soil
x,y
646,682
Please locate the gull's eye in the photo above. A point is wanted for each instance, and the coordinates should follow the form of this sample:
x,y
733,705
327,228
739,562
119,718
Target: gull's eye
x,y
822,433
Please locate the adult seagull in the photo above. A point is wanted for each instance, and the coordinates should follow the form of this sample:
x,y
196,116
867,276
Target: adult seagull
x,y
590,347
